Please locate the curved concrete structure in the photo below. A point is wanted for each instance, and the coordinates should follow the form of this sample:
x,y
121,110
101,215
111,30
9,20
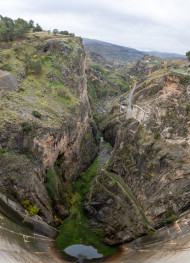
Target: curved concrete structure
x,y
27,239
8,82
167,245
19,244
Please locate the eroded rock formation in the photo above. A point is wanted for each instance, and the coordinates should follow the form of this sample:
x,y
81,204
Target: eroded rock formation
x,y
45,126
147,180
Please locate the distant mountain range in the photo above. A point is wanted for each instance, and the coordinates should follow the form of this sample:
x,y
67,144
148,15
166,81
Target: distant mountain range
x,y
171,56
123,54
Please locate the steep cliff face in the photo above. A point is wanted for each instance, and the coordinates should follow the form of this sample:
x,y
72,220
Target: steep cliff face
x,y
146,181
46,136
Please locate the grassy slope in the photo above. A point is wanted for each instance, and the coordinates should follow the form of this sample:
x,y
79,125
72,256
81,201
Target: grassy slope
x,y
36,91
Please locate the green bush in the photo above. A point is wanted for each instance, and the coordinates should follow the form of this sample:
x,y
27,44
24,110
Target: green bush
x,y
184,80
16,47
100,232
55,31
32,210
169,219
65,32
63,93
150,232
34,66
26,203
37,114
2,151
188,55
57,221
157,136
37,28
26,126
21,88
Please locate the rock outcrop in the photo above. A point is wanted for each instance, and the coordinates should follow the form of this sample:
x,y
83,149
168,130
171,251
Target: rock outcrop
x,y
46,136
146,181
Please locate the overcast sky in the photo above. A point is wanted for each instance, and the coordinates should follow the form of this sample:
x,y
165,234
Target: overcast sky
x,y
161,25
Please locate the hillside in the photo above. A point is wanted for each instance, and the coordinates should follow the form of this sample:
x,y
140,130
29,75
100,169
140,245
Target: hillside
x,y
45,121
122,54
172,56
112,52
146,179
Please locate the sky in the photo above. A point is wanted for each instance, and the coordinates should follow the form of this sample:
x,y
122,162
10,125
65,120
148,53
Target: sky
x,y
152,25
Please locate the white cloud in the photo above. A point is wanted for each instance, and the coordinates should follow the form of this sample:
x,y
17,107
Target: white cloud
x,y
161,25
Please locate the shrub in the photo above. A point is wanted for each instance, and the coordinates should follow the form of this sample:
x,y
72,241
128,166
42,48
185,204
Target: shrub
x,y
188,108
38,92
38,28
174,218
63,93
184,80
57,221
26,203
26,126
188,55
72,35
55,31
157,136
35,56
16,47
100,232
65,32
7,54
34,66
21,88
32,210
2,151
43,58
150,232
37,114
169,219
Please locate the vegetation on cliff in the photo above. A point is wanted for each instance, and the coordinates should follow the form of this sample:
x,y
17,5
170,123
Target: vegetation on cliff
x,y
188,55
150,153
76,229
105,80
45,120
